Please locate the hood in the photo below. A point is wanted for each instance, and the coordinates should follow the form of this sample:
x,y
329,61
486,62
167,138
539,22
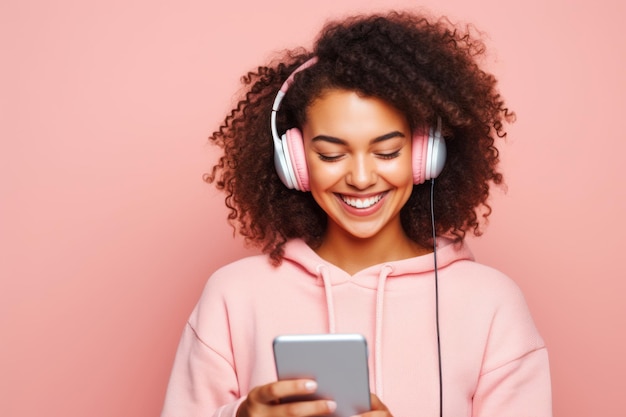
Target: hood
x,y
375,277
448,252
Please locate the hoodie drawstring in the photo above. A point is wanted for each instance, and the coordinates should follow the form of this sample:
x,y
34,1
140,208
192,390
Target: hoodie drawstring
x,y
380,307
330,304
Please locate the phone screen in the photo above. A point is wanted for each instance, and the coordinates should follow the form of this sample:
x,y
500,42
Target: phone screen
x,y
337,362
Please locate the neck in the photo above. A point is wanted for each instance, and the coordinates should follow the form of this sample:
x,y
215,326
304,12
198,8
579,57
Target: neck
x,y
353,254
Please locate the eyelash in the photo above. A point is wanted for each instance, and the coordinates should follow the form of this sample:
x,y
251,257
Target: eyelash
x,y
329,158
389,155
380,155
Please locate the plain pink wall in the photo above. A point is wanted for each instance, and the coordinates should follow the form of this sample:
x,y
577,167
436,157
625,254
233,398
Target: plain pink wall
x,y
108,233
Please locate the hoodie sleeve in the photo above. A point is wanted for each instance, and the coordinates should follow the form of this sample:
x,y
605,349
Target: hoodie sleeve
x,y
203,382
520,388
515,376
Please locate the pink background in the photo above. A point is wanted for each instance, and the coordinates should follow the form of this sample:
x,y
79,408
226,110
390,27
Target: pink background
x,y
108,233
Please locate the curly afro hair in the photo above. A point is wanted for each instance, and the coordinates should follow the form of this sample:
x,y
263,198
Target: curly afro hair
x,y
427,69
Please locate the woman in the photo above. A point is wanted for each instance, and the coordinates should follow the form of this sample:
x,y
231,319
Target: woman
x,y
358,235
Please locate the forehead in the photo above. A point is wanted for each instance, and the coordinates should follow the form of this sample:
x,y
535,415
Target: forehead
x,y
346,113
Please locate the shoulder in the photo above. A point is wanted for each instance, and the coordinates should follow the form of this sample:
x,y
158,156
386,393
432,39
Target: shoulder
x,y
243,268
488,295
473,278
241,274
495,303
244,287
229,289
249,278
299,258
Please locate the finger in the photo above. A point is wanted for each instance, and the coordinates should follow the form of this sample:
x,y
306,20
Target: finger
x,y
273,392
305,408
377,404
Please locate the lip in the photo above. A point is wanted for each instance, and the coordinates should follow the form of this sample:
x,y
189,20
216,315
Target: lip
x,y
366,211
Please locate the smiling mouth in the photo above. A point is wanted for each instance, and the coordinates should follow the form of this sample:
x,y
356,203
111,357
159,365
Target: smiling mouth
x,y
361,203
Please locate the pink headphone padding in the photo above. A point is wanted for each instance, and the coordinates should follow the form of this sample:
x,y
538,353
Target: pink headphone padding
x,y
295,144
419,151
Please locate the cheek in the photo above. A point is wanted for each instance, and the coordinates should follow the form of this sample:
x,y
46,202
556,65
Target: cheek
x,y
398,171
320,182
323,174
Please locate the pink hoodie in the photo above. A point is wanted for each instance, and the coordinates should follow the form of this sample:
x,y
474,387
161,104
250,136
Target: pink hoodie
x,y
494,361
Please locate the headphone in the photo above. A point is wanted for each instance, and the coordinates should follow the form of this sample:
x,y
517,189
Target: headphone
x,y
428,154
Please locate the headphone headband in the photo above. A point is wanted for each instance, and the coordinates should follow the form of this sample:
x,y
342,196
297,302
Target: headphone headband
x,y
281,94
428,148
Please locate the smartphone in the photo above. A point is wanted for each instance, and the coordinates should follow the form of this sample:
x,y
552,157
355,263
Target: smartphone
x,y
337,362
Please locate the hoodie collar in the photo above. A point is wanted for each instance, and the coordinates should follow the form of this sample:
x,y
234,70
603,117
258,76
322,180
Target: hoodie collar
x,y
448,252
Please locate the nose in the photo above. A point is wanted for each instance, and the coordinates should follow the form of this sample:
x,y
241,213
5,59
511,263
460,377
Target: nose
x,y
362,172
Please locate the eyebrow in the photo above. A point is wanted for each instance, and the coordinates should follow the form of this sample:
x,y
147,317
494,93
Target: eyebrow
x,y
337,141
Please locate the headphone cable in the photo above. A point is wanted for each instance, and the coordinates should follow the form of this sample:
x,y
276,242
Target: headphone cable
x,y
432,217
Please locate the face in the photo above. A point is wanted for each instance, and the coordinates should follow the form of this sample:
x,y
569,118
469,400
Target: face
x,y
358,152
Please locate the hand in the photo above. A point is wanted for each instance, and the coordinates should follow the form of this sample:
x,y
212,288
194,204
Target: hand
x,y
264,401
378,408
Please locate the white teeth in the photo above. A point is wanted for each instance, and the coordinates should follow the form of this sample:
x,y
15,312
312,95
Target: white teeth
x,y
361,203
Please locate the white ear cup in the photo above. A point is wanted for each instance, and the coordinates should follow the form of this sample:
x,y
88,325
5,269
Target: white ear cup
x,y
281,164
428,154
436,153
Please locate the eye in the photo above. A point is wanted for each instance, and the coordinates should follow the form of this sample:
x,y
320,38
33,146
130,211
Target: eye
x,y
389,155
329,157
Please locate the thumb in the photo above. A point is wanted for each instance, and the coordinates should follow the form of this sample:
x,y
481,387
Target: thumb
x,y
377,404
